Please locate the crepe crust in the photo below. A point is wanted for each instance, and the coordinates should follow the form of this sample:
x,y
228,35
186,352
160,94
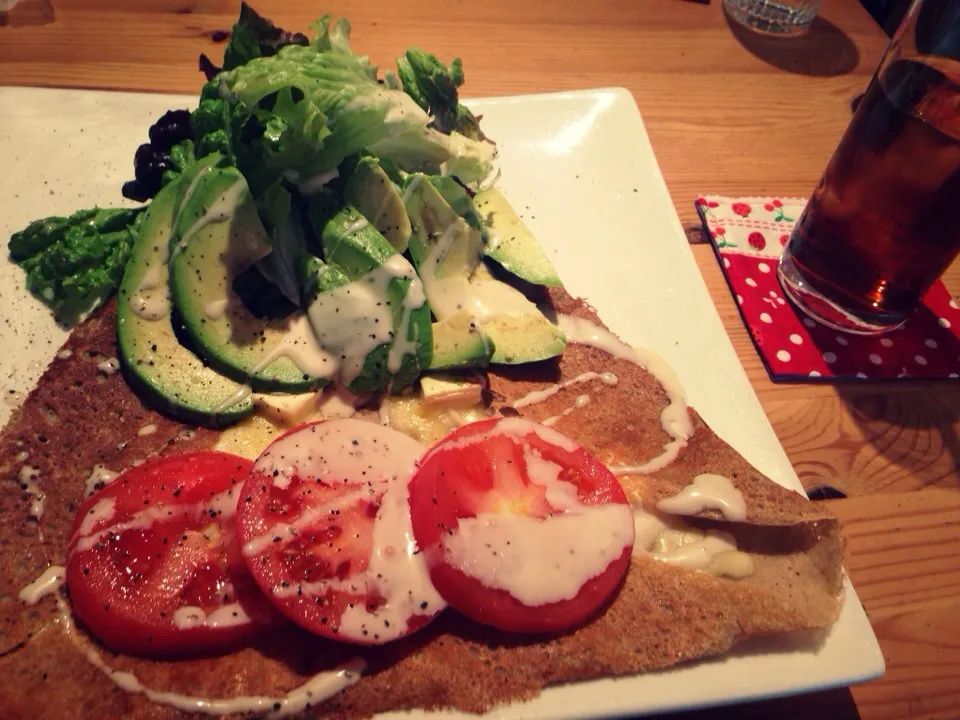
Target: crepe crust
x,y
79,417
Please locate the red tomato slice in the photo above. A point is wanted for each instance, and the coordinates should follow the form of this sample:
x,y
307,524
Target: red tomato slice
x,y
324,523
153,565
523,529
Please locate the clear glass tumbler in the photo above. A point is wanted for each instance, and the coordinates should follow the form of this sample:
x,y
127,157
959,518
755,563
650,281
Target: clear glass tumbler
x,y
883,223
775,17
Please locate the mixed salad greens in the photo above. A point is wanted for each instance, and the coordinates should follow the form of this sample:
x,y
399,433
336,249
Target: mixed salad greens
x,y
341,182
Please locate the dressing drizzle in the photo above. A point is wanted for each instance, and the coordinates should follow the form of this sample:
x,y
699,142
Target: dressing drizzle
x,y
675,418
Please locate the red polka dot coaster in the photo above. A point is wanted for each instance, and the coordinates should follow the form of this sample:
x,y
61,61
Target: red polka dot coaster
x,y
747,235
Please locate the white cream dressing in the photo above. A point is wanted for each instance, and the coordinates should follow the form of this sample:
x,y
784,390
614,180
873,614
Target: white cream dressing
x,y
411,188
239,395
688,548
395,571
224,616
151,300
672,541
537,396
98,479
581,402
109,367
351,320
22,456
314,691
65,354
300,346
707,492
225,503
450,293
647,527
101,512
560,494
28,483
381,209
216,309
50,581
354,227
220,210
403,345
148,429
378,463
481,298
189,617
280,534
540,561
675,418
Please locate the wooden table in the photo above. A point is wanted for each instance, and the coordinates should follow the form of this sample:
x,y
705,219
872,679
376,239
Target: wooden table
x,y
727,114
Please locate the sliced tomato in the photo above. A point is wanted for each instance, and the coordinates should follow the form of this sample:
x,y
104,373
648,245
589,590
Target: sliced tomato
x,y
522,528
154,566
324,523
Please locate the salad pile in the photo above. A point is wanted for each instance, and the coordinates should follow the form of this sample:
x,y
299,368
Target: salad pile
x,y
309,222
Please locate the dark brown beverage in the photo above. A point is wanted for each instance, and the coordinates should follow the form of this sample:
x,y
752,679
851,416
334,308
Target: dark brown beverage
x,y
884,221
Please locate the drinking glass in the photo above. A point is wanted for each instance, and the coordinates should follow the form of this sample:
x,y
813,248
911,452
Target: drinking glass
x,y
883,223
776,17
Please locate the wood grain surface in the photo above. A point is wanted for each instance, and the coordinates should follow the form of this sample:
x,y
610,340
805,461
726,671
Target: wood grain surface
x,y
727,113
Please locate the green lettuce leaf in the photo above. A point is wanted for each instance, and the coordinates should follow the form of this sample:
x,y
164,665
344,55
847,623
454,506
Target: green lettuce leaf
x,y
255,36
305,111
74,263
433,87
181,156
281,216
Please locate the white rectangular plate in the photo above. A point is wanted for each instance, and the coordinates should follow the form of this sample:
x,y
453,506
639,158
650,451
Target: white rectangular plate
x,y
580,169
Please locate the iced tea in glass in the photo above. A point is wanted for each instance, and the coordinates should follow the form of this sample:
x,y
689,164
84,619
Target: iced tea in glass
x,y
884,221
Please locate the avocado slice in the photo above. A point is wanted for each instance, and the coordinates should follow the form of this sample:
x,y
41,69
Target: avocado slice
x,y
384,303
372,192
157,364
527,335
217,237
437,227
460,342
458,199
510,243
448,254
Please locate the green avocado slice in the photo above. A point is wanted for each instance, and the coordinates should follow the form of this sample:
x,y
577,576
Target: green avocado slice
x,y
459,342
217,237
371,191
435,223
448,254
510,243
389,285
162,369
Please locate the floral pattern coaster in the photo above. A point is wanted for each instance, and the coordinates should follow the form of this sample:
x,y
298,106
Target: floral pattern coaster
x,y
748,235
